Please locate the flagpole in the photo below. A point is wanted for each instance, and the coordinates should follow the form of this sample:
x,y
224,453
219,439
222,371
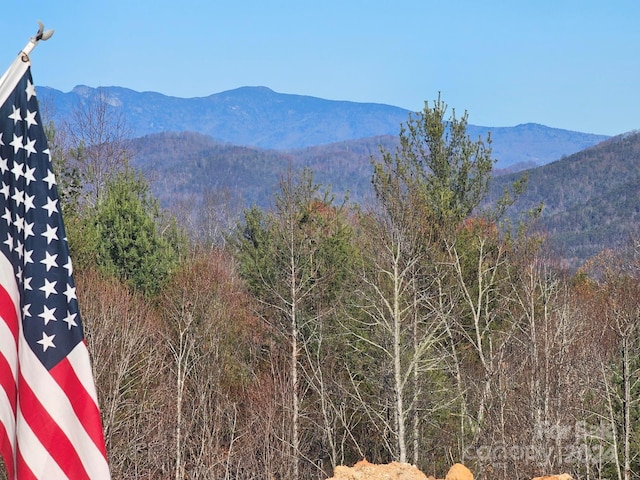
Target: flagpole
x,y
21,63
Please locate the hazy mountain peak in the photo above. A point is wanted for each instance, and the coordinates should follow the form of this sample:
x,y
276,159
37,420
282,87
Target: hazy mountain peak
x,y
247,89
82,90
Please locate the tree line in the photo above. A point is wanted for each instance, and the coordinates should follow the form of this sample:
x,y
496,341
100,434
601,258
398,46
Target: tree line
x,y
420,327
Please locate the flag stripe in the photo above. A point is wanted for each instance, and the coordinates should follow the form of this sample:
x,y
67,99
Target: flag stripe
x,y
56,405
79,359
6,449
82,402
8,313
37,459
8,399
9,387
8,367
25,471
47,430
8,348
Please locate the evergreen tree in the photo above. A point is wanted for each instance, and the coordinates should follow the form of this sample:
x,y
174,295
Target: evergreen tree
x,y
438,171
128,239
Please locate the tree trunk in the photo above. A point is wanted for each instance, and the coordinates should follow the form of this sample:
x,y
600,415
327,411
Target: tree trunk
x,y
295,441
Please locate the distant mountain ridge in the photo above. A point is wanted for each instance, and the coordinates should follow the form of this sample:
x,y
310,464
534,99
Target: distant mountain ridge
x,y
250,116
260,117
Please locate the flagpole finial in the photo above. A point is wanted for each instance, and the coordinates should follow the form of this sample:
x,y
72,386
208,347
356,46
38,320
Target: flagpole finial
x,y
42,34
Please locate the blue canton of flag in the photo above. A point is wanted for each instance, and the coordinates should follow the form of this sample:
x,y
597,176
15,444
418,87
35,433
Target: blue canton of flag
x,y
32,233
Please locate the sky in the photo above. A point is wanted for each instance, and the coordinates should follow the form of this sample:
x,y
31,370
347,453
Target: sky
x,y
562,63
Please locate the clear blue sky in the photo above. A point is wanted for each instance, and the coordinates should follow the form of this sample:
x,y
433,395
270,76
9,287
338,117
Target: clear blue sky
x,y
563,63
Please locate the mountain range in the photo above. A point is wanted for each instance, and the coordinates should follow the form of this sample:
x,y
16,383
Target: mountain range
x,y
236,144
260,117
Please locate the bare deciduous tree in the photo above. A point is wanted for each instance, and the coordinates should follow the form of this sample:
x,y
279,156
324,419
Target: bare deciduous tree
x,y
392,323
211,336
129,370
99,141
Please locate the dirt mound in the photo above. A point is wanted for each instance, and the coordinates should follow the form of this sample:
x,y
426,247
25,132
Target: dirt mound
x,y
459,472
562,476
364,470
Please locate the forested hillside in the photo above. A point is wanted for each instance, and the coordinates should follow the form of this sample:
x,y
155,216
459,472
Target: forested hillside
x,y
591,199
315,333
190,165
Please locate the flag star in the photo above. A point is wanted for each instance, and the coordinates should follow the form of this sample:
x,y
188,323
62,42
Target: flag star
x,y
28,174
28,230
15,116
25,311
51,206
18,197
4,164
30,91
7,216
27,283
70,320
49,288
50,261
1,141
18,170
20,249
16,143
19,224
70,292
9,242
50,234
28,202
5,190
48,315
30,146
69,266
27,256
31,118
47,341
50,179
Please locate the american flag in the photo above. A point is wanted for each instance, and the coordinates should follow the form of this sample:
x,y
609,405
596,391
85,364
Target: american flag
x,y
50,424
